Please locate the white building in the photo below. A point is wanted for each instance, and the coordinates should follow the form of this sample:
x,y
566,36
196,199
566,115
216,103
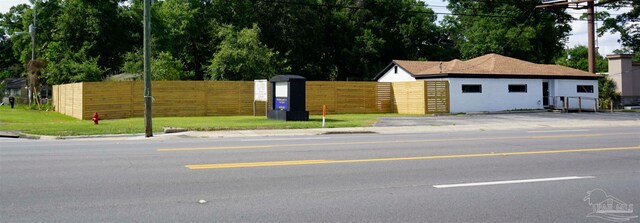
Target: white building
x,y
497,83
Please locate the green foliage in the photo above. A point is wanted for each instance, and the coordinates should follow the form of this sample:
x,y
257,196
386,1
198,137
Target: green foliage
x,y
82,40
578,57
165,67
6,74
3,87
40,107
132,62
181,28
65,66
607,91
626,50
241,56
625,23
95,27
510,28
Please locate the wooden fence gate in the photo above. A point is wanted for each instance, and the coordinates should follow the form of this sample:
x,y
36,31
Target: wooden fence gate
x,y
421,97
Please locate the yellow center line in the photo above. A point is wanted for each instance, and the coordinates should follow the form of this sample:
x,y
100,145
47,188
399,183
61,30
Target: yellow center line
x,y
311,162
388,142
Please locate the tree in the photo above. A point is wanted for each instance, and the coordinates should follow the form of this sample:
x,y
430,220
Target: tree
x,y
165,67
70,67
180,27
578,57
10,66
11,42
85,36
607,91
3,87
133,62
321,40
241,56
510,28
626,50
627,24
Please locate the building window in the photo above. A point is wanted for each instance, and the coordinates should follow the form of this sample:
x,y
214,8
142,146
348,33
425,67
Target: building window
x,y
395,69
585,89
471,88
517,88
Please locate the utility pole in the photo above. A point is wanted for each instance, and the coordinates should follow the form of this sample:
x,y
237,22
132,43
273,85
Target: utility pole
x,y
591,33
148,129
32,31
590,21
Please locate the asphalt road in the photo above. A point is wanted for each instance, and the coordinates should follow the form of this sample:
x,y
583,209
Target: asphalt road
x,y
474,176
524,118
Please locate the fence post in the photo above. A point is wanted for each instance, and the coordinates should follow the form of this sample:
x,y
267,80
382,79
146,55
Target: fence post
x,y
579,104
611,105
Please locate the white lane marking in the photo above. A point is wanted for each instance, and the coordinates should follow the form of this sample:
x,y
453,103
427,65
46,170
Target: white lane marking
x,y
511,182
567,130
282,139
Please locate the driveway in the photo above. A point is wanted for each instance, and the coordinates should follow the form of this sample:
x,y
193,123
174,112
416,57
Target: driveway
x,y
522,118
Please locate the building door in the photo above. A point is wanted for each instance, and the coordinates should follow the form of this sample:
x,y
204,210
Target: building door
x,y
545,94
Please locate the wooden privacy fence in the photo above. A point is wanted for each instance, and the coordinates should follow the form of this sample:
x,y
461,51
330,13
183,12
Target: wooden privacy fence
x,y
421,97
67,99
207,98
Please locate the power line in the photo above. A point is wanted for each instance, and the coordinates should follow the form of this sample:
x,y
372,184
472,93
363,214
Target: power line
x,y
408,11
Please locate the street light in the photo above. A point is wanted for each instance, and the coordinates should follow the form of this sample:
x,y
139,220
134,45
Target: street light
x,y
32,31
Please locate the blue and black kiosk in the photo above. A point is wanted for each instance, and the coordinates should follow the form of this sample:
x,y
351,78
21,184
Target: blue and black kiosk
x,y
288,98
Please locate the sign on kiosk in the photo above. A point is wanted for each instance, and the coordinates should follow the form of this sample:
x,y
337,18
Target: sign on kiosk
x,y
282,89
288,96
282,93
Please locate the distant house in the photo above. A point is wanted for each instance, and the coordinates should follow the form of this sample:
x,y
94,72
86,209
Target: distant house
x,y
16,87
497,83
626,74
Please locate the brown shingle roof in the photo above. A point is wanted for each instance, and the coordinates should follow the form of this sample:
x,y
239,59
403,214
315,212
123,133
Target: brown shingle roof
x,y
490,64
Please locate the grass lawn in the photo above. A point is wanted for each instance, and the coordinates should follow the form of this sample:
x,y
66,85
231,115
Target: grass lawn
x,y
56,124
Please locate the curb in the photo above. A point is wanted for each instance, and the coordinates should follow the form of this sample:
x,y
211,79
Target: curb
x,y
29,136
9,134
335,131
347,132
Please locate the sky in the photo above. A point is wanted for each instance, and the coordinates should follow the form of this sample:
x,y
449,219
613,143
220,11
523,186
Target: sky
x,y
606,44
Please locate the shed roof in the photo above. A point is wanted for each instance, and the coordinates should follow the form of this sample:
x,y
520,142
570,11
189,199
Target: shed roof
x,y
15,83
490,65
286,78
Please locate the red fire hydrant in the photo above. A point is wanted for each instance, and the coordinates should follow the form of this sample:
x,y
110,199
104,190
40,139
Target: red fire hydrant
x,y
95,118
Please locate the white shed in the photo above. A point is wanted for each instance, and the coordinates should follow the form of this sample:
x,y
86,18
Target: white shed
x,y
497,83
